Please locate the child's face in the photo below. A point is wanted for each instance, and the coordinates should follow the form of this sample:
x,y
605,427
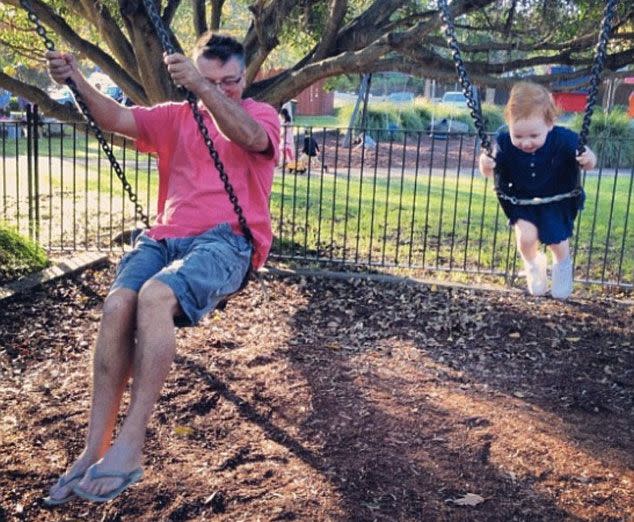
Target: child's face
x,y
529,134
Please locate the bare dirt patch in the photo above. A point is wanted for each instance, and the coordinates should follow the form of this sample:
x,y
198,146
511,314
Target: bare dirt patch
x,y
340,400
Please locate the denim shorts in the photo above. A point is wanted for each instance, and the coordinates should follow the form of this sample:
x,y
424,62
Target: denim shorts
x,y
201,270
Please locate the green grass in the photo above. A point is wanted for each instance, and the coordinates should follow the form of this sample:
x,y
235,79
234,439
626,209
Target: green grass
x,y
391,220
317,121
18,255
404,221
66,147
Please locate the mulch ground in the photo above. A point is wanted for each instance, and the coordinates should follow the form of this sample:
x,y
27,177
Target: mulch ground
x,y
339,401
414,151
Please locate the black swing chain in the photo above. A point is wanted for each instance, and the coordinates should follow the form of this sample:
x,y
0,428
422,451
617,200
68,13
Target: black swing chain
x,y
463,75
476,111
596,70
192,100
467,88
50,45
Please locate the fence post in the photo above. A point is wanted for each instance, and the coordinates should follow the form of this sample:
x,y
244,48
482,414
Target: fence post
x,y
29,164
36,169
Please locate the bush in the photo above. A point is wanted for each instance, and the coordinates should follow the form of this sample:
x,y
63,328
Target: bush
x,y
493,117
19,255
418,117
379,117
14,104
424,112
611,136
411,120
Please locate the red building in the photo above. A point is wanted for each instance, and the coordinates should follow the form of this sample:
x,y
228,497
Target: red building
x,y
570,101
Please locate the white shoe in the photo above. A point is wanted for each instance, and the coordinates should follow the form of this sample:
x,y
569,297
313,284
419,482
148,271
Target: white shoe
x,y
562,279
536,274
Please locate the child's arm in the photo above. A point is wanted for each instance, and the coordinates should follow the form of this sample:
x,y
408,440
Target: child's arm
x,y
487,164
587,160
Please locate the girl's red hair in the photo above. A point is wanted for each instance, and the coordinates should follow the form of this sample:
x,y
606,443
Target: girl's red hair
x,y
530,99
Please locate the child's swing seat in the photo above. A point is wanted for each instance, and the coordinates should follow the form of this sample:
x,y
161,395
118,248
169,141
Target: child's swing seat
x,y
568,184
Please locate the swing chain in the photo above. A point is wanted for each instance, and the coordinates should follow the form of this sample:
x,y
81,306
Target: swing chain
x,y
192,100
463,75
476,112
577,191
50,45
596,70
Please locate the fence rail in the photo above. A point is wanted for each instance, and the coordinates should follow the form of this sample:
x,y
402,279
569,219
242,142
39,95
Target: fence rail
x,y
392,199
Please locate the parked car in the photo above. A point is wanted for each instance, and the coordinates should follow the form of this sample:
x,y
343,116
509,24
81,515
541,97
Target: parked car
x,y
456,98
63,96
117,94
114,92
401,96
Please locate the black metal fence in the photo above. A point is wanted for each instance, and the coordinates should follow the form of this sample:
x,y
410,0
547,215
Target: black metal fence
x,y
378,198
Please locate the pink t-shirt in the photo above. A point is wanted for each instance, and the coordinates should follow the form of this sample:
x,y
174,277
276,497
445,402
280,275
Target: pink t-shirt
x,y
191,196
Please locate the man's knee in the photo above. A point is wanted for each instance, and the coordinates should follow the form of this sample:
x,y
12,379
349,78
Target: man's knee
x,y
155,300
119,306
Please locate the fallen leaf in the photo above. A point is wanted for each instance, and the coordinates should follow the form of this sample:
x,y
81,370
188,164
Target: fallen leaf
x,y
470,499
183,431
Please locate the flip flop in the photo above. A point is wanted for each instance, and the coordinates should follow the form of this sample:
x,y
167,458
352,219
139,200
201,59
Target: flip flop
x,y
52,501
93,474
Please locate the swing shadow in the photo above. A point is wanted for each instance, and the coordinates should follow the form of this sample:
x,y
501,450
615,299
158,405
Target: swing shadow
x,y
361,481
332,380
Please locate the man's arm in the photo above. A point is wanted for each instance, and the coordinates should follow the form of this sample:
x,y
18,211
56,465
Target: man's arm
x,y
109,115
233,121
230,118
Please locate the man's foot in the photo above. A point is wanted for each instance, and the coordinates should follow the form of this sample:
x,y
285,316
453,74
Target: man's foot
x,y
562,279
118,469
62,491
536,274
125,481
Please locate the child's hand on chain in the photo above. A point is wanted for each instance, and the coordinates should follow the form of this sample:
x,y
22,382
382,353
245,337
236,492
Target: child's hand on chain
x,y
587,160
487,164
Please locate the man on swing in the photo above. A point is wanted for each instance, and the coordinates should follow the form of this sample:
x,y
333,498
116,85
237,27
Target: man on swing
x,y
192,257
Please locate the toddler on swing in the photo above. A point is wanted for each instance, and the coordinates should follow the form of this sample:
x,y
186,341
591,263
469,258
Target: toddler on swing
x,y
536,158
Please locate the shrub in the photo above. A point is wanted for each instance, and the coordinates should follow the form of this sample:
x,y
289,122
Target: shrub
x,y
411,120
19,255
493,117
422,108
14,104
611,136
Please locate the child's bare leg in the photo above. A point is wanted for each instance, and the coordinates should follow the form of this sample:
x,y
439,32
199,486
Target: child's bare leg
x,y
560,251
112,366
527,240
534,261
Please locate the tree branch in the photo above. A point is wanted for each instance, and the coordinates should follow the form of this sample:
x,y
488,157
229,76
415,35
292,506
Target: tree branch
x,y
338,9
36,95
216,13
170,11
109,30
200,17
89,50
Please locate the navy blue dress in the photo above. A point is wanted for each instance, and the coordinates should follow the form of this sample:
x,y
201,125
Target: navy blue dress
x,y
550,170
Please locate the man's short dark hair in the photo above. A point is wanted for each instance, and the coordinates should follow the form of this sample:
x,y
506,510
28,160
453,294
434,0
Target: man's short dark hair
x,y
221,47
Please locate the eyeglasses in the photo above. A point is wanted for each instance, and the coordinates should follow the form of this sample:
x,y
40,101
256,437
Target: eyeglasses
x,y
226,82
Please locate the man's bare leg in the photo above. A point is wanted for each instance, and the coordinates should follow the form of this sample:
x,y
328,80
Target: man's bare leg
x,y
112,367
154,354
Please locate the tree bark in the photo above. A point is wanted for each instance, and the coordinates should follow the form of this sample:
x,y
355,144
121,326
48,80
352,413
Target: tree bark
x,y
216,14
200,17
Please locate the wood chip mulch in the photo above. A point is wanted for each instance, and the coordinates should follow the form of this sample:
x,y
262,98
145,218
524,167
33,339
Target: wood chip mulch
x,y
339,401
